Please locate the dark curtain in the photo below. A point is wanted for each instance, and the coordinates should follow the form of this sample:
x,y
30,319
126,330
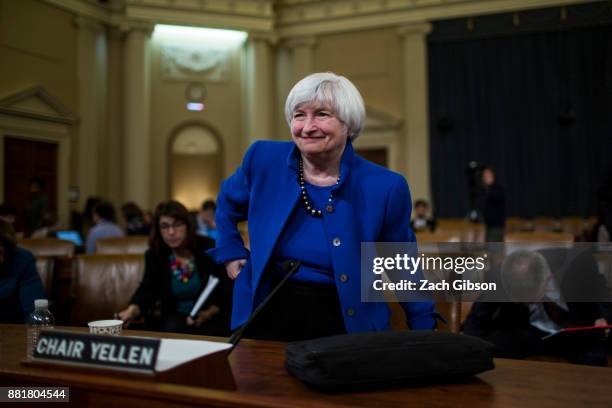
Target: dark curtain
x,y
534,104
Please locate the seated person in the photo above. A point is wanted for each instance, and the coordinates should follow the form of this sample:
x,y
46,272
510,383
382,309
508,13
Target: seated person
x,y
177,269
8,213
105,226
560,280
134,219
206,220
422,221
20,284
49,226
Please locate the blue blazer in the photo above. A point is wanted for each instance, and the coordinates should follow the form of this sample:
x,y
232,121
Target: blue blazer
x,y
372,204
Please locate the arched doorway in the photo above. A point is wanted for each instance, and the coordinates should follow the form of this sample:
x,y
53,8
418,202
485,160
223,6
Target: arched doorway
x,y
195,165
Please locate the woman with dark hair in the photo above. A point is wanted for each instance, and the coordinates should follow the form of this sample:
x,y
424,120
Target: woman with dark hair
x,y
20,284
177,269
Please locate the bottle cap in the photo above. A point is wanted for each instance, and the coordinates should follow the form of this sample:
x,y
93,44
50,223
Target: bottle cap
x,y
41,303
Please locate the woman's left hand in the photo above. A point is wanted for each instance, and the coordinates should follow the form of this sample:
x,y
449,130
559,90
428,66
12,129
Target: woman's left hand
x,y
203,316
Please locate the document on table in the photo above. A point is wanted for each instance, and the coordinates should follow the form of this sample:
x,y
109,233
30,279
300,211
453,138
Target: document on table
x,y
210,286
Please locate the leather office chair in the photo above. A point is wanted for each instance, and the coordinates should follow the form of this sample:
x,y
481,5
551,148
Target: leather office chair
x,y
104,285
547,224
48,247
44,266
133,244
580,227
539,236
536,240
54,262
466,230
515,224
435,237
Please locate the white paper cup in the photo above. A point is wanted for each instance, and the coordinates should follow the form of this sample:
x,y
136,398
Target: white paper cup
x,y
110,327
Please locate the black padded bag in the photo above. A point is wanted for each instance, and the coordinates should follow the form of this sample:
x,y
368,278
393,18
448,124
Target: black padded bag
x,y
387,358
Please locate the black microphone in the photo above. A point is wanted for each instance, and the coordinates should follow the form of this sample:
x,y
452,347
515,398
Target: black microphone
x,y
289,267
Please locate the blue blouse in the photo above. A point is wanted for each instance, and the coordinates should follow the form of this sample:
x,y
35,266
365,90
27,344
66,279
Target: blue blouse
x,y
301,240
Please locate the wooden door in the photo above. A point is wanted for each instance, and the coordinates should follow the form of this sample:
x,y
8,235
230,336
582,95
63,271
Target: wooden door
x,y
24,159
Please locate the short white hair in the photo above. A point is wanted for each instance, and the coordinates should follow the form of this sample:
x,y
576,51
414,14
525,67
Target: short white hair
x,y
333,91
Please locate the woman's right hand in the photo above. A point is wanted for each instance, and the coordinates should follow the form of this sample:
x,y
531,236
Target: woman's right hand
x,y
128,314
234,267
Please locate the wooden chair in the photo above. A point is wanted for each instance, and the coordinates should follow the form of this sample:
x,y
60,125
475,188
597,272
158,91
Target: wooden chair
x,y
435,237
44,266
588,224
132,244
515,224
54,261
48,247
547,224
466,230
580,227
534,241
104,285
572,225
538,236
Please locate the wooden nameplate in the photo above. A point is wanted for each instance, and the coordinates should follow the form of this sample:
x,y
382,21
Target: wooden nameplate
x,y
211,371
135,357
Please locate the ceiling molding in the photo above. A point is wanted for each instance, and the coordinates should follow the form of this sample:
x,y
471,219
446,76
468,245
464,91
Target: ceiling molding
x,y
246,15
334,16
186,17
286,19
83,8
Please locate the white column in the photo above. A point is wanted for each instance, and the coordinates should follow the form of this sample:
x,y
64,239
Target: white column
x,y
295,60
115,125
91,71
284,82
302,62
416,112
137,115
259,96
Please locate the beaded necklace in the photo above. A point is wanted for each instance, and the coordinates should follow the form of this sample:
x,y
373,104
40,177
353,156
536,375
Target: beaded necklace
x,y
305,201
182,269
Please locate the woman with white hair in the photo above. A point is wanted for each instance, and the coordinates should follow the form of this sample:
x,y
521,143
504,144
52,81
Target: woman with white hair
x,y
313,200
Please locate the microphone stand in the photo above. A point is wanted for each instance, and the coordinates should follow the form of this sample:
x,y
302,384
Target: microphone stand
x,y
290,266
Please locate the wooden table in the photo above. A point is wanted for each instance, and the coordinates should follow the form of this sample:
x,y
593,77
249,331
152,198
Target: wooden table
x,y
263,381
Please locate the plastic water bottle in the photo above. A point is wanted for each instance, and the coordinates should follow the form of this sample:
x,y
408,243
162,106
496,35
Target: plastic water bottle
x,y
41,318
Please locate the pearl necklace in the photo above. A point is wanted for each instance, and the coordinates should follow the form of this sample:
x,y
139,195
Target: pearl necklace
x,y
305,201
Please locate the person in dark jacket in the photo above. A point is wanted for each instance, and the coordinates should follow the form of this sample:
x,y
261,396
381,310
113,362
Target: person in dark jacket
x,y
134,219
38,205
422,220
550,289
20,284
177,269
493,205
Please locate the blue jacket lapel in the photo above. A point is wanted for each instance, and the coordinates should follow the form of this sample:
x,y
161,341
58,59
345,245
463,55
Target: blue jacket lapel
x,y
281,200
